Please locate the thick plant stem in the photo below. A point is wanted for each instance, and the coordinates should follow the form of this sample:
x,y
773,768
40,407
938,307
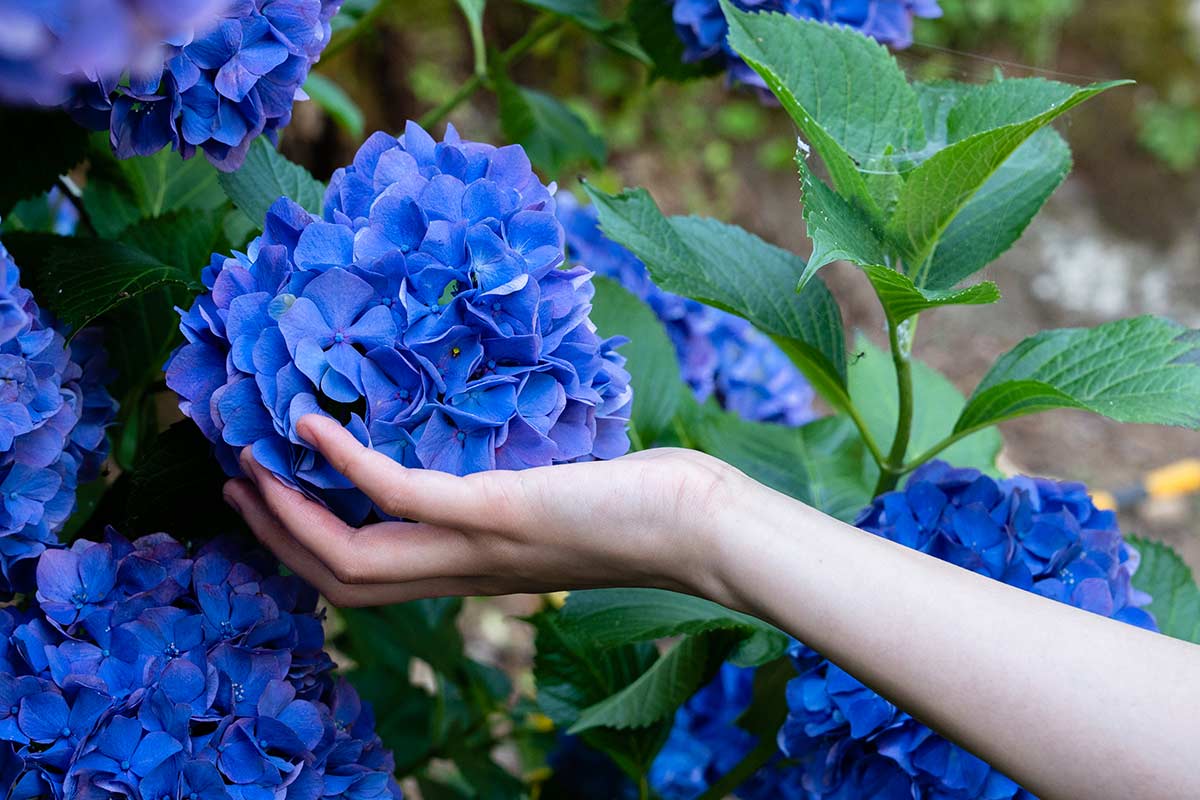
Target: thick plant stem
x,y
543,27
755,760
75,197
900,339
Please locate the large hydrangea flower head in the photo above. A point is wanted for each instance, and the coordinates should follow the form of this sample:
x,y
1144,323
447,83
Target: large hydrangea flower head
x,y
1035,534
48,47
702,27
720,355
217,90
842,741
426,312
148,671
54,410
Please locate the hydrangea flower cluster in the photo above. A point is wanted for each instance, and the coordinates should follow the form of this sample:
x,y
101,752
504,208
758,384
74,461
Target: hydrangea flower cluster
x,y
54,410
702,26
846,740
720,354
426,312
49,46
218,90
1035,534
146,672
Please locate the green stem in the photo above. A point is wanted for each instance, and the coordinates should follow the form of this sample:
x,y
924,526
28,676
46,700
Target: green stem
x,y
75,197
890,474
541,28
347,37
865,434
949,441
643,788
755,760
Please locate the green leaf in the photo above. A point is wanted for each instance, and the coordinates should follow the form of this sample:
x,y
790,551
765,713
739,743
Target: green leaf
x,y
839,229
1005,114
173,468
473,11
902,300
265,177
607,618
1169,581
572,673
820,463
80,280
426,629
554,136
40,146
998,214
936,401
659,691
1144,370
843,90
185,239
339,105
586,13
651,358
655,29
121,192
725,266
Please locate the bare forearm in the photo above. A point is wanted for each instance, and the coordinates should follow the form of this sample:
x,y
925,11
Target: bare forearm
x,y
1067,703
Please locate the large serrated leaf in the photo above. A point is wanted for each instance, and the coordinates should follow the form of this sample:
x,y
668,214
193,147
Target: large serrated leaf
x,y
650,356
554,136
39,146
1170,583
265,177
844,91
902,300
725,266
1144,370
939,189
185,239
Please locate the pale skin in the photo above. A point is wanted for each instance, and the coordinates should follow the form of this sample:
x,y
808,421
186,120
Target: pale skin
x,y
1069,704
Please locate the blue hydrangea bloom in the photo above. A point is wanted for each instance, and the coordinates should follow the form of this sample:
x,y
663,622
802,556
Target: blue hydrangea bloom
x,y
844,741
48,47
720,355
426,312
148,671
54,410
216,90
702,27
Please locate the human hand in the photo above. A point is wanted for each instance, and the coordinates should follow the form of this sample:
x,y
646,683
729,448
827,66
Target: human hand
x,y
647,519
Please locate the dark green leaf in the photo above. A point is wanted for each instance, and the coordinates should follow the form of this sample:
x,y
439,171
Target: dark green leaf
x,y
843,90
573,673
655,29
265,177
1169,581
586,13
727,267
426,629
662,689
339,105
936,402
652,362
902,300
839,229
554,136
185,239
985,128
607,618
39,146
1144,370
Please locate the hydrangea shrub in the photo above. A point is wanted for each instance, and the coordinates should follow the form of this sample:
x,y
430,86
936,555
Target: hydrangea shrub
x,y
217,90
720,355
702,26
49,47
426,311
148,671
54,410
